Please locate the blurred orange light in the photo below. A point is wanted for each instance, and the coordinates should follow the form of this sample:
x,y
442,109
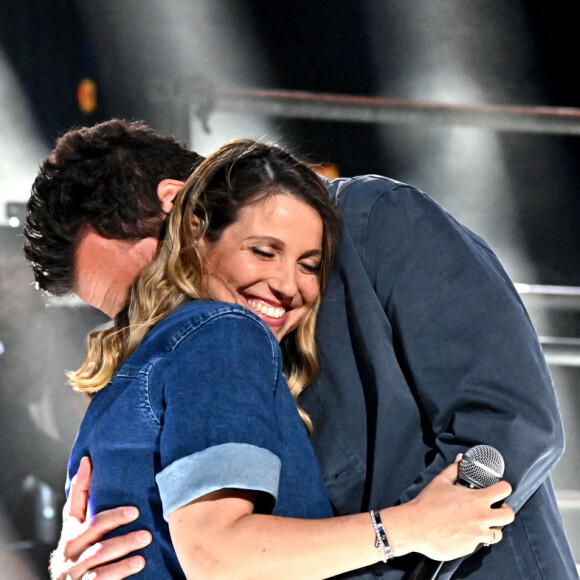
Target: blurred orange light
x,y
87,96
328,170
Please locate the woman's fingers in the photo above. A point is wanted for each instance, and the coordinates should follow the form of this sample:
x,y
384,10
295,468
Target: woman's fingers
x,y
503,515
468,516
450,473
497,535
499,491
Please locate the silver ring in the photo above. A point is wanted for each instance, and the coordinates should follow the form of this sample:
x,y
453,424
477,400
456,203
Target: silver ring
x,y
492,539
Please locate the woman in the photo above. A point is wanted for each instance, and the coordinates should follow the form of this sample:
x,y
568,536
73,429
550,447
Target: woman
x,y
196,425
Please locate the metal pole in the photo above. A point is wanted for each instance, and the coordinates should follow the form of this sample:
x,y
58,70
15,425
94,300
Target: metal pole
x,y
206,99
349,108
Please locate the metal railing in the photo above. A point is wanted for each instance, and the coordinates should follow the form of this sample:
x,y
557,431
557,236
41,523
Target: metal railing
x,y
205,99
560,351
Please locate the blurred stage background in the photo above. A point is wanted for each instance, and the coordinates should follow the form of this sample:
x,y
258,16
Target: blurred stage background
x,y
510,175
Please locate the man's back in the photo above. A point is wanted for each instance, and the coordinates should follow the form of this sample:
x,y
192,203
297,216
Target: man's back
x,y
426,349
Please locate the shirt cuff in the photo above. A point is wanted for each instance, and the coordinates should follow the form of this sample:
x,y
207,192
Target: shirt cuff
x,y
230,465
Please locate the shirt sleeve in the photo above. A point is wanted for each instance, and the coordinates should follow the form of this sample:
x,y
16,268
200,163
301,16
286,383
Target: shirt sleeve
x,y
466,340
219,424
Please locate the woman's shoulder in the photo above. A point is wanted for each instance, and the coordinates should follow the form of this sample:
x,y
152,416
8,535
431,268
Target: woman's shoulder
x,y
211,339
199,311
198,316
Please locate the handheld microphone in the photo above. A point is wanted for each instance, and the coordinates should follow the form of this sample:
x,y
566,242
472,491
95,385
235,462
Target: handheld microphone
x,y
481,466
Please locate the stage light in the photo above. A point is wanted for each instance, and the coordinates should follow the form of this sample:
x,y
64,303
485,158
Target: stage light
x,y
87,96
21,148
16,214
328,170
167,42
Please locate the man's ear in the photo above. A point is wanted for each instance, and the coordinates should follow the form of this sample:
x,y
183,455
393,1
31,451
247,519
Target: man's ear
x,y
167,189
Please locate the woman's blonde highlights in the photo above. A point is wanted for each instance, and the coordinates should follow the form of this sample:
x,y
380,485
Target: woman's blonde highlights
x,y
240,173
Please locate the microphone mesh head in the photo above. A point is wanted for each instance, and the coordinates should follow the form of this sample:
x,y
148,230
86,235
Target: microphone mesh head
x,y
481,466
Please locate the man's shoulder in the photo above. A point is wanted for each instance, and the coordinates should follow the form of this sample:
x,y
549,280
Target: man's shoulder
x,y
363,191
374,199
362,185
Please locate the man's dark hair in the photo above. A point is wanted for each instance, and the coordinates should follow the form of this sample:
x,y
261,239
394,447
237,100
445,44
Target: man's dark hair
x,y
105,177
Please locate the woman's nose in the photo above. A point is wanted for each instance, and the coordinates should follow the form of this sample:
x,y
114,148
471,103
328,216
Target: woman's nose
x,y
283,281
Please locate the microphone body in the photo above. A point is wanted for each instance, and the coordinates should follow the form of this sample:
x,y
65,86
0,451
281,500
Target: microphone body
x,y
481,466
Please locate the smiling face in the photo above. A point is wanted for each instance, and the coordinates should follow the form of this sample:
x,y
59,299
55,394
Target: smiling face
x,y
268,261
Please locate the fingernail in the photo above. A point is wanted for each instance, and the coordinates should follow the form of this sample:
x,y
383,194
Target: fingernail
x,y
143,538
131,512
136,563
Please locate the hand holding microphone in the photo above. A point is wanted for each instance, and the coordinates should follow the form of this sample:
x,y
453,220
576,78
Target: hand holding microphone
x,y
458,517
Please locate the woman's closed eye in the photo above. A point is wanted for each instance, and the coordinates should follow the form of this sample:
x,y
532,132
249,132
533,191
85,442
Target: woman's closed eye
x,y
312,268
261,252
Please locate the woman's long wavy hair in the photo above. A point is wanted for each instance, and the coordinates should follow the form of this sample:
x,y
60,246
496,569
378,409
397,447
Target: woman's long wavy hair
x,y
238,174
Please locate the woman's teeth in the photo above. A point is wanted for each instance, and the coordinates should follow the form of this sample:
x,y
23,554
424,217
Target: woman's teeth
x,y
266,309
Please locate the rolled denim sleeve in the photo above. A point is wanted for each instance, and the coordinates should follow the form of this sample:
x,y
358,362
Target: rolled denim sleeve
x,y
219,423
231,465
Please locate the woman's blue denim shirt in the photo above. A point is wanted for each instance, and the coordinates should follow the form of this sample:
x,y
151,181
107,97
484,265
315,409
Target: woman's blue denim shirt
x,y
201,405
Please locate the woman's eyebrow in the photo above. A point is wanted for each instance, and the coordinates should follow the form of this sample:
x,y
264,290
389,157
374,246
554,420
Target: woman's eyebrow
x,y
313,252
278,243
266,239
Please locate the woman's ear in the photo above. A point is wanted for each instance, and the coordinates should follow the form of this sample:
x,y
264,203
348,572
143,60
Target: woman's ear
x,y
167,189
198,225
197,222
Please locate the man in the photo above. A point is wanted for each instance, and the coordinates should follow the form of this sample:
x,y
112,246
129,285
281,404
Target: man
x,y
425,347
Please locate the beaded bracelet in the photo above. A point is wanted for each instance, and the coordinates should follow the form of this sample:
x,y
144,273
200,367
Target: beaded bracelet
x,y
381,544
